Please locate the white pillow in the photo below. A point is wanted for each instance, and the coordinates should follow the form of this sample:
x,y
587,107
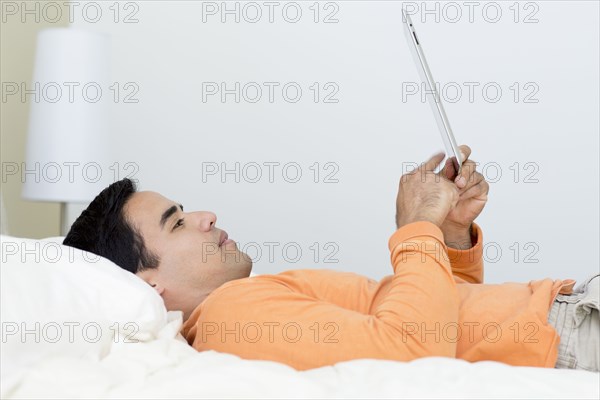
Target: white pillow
x,y
56,299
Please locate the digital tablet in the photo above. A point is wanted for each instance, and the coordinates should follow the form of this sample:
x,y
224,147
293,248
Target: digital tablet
x,y
416,49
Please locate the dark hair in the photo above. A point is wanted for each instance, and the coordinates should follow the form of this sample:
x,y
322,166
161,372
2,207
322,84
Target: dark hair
x,y
103,230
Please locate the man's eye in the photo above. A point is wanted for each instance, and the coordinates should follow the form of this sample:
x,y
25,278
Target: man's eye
x,y
178,223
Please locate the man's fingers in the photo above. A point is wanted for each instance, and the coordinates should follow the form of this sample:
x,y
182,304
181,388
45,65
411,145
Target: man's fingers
x,y
433,162
466,151
479,190
467,173
449,170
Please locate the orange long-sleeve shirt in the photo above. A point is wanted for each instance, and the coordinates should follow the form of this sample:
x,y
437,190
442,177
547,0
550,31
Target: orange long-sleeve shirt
x,y
434,304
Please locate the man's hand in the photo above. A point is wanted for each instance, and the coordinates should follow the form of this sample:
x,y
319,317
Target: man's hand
x,y
424,195
473,194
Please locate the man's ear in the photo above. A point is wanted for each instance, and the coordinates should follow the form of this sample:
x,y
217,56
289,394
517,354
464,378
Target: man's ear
x,y
150,277
159,289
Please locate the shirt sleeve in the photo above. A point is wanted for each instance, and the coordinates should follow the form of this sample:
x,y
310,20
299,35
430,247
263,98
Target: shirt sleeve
x,y
467,265
356,292
271,320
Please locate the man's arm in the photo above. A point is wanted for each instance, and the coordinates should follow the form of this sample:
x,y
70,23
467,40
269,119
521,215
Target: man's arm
x,y
462,236
466,258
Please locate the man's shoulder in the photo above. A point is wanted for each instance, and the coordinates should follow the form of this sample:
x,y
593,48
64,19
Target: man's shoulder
x,y
260,287
286,280
299,274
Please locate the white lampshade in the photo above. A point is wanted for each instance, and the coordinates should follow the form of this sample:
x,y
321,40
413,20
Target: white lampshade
x,y
68,122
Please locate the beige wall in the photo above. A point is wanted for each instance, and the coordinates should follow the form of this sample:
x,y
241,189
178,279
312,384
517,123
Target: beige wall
x,y
17,49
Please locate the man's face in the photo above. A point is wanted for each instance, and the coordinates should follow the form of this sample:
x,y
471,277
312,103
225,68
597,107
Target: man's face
x,y
193,260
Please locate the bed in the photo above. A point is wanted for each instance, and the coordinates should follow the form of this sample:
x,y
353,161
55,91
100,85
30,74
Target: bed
x,y
131,347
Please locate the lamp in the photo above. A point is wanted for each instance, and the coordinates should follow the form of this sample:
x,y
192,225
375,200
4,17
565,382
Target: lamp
x,y
67,149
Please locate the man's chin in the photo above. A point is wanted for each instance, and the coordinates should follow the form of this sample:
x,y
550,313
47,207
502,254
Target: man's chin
x,y
242,265
247,264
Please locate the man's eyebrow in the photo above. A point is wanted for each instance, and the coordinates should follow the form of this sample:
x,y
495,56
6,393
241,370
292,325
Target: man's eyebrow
x,y
167,214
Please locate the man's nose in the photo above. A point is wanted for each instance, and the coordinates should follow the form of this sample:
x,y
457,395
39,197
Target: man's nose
x,y
205,220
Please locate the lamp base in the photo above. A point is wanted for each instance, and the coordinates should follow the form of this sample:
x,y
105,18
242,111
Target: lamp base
x,y
64,223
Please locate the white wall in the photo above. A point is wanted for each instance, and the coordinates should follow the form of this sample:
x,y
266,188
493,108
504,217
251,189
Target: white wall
x,y
370,132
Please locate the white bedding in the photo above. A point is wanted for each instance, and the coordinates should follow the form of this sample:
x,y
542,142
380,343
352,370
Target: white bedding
x,y
168,368
47,283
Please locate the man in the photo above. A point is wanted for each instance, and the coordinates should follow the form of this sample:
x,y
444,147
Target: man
x,y
434,304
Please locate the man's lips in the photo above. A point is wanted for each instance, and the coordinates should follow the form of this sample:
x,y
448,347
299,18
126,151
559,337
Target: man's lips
x,y
224,237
